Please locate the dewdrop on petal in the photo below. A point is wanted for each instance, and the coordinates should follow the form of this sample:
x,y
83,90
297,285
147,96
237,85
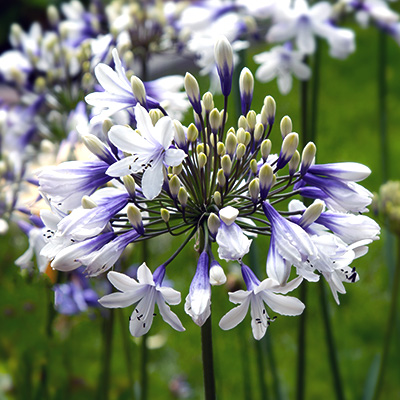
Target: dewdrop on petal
x,y
286,126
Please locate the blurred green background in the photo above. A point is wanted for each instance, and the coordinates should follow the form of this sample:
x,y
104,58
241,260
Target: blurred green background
x,y
348,130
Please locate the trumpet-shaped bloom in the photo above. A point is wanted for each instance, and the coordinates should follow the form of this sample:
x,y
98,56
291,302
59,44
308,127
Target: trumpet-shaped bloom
x,y
151,149
145,292
269,292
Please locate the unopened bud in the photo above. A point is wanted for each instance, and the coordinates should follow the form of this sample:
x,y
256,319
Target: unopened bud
x,y
217,198
179,136
208,101
130,185
221,178
139,91
294,163
258,132
213,223
251,120
231,143
177,170
307,157
135,218
253,166
240,150
242,122
228,215
53,15
266,146
246,86
289,146
192,133
193,92
226,164
221,149
164,214
40,84
270,108
107,125
266,176
174,185
224,58
155,115
286,126
88,203
217,275
312,213
254,189
183,196
202,160
241,135
97,147
215,120
200,148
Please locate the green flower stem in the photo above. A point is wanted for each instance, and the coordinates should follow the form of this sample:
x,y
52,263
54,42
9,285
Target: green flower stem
x,y
127,351
261,359
301,357
143,369
391,322
208,362
105,375
331,343
245,364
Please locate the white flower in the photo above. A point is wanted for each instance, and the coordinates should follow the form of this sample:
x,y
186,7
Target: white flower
x,y
233,244
256,294
150,149
281,62
146,292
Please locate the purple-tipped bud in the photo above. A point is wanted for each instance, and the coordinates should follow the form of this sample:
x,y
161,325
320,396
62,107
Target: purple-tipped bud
x,y
224,59
246,85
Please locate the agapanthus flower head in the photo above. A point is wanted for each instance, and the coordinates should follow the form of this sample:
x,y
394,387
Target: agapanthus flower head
x,y
221,185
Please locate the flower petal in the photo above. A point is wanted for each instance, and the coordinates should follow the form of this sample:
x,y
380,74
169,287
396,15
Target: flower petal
x,y
153,179
285,305
168,316
234,316
121,281
144,275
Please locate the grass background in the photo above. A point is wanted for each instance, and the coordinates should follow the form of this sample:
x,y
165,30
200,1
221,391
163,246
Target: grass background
x,y
348,130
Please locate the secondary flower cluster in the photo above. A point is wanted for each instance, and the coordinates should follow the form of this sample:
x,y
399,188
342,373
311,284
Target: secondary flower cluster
x,y
222,187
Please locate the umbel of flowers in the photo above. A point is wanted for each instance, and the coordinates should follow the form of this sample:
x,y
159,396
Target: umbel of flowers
x,y
222,186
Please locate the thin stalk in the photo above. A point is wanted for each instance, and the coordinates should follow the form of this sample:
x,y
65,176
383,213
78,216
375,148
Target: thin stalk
x,y
331,343
143,369
105,375
391,322
301,357
245,364
208,362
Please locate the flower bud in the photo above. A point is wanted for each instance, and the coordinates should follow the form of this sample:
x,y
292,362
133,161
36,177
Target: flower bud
x,y
289,146
251,120
307,157
193,92
266,176
221,178
164,214
258,132
88,203
231,143
155,115
139,91
253,166
215,120
208,101
40,84
107,125
241,135
174,185
135,218
179,137
202,159
246,86
286,126
294,163
228,215
224,58
183,196
221,149
177,170
200,148
312,213
224,115
254,189
240,150
97,147
226,164
213,224
192,133
242,122
266,146
217,198
53,15
270,109
130,185
217,275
